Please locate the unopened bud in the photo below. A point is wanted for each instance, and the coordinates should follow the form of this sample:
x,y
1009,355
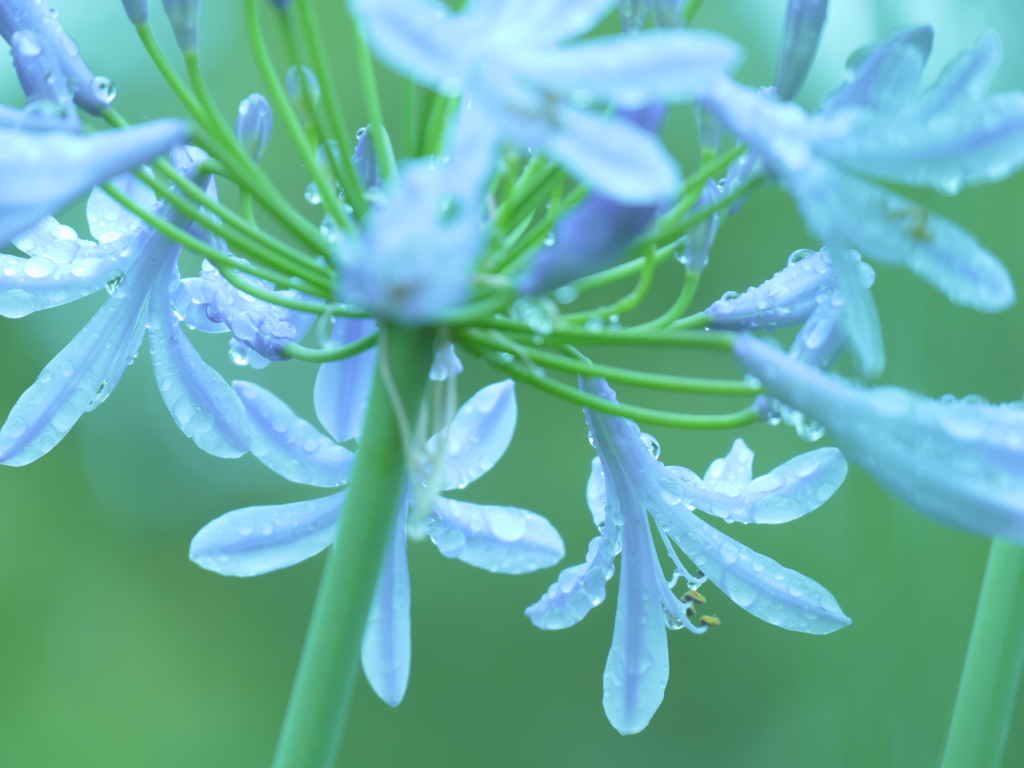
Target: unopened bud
x,y
184,18
254,125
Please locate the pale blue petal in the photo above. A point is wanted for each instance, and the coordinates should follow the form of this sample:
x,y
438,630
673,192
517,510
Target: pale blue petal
x,y
823,337
256,540
860,315
497,539
291,447
629,71
885,75
43,172
387,639
755,583
201,402
190,304
478,436
109,221
636,672
789,491
614,157
841,208
446,364
736,469
579,587
977,143
957,462
62,268
597,493
965,78
536,23
787,298
419,38
342,388
82,375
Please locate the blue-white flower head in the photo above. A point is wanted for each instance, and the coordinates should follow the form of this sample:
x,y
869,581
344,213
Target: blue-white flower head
x,y
86,371
516,59
40,173
93,94
414,259
256,540
627,482
949,135
958,462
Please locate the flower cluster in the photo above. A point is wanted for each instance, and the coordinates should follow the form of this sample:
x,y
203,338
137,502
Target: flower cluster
x,y
530,171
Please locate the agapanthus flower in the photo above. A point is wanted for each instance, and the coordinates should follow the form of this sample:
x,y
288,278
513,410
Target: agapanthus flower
x,y
956,461
255,540
877,125
518,65
86,371
627,482
42,172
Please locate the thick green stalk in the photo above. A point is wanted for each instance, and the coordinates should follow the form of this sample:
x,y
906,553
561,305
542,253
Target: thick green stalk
x,y
992,669
322,692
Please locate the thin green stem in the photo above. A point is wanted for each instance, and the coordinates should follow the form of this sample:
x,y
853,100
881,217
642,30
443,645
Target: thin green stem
x,y
721,340
584,367
679,306
691,10
282,104
992,670
627,303
652,416
330,354
329,666
410,118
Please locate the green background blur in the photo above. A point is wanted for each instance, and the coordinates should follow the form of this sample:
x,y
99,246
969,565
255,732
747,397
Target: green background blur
x,y
115,650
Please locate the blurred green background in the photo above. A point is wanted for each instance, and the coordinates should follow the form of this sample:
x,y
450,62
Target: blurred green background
x,y
115,650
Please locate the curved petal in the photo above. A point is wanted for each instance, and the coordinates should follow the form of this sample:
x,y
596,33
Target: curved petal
x,y
108,219
387,644
202,404
478,435
629,71
291,447
256,540
419,38
342,388
636,672
43,172
579,587
62,268
841,208
613,156
736,469
82,375
755,583
597,493
965,78
531,23
860,315
497,539
957,462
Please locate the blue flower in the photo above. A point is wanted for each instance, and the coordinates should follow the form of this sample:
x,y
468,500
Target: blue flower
x,y
627,482
947,136
255,540
516,64
958,462
40,173
86,371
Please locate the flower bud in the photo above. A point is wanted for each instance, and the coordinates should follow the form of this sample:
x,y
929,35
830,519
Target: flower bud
x,y
254,124
39,71
93,94
298,80
804,20
184,18
137,10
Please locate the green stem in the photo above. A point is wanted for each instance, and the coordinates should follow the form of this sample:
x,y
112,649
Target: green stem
x,y
992,670
322,692
330,354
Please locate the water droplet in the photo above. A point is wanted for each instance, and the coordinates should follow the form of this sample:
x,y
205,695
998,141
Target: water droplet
x,y
114,281
312,194
797,256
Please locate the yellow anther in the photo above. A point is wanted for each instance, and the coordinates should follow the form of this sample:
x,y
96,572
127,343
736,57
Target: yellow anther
x,y
710,621
693,596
